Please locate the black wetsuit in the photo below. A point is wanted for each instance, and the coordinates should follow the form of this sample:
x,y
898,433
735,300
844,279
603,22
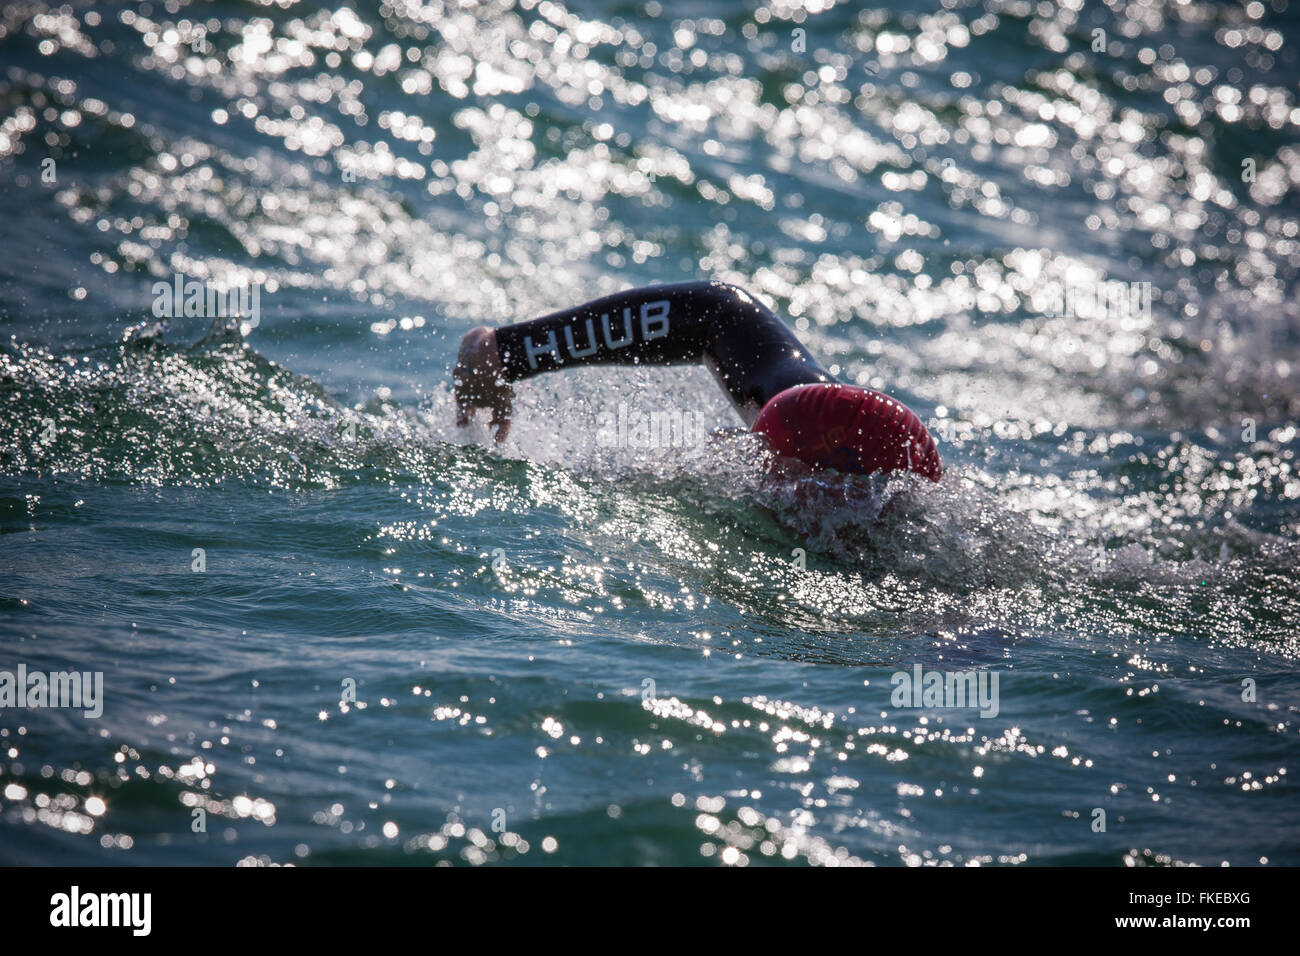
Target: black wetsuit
x,y
750,350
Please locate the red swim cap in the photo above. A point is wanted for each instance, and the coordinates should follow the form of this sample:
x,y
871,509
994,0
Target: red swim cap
x,y
849,429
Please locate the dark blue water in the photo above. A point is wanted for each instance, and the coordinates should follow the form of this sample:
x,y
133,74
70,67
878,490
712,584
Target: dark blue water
x,y
334,628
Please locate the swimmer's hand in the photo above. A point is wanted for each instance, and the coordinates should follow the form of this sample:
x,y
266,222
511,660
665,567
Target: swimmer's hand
x,y
481,382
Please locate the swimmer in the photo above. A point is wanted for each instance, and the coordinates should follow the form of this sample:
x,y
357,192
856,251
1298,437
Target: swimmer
x,y
779,389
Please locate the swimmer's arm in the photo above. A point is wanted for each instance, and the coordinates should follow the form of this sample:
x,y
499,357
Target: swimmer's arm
x,y
750,351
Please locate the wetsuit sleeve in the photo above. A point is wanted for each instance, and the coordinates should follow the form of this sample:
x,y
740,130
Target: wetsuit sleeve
x,y
750,350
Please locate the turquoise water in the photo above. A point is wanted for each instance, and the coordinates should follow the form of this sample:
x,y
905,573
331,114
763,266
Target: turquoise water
x,y
334,628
